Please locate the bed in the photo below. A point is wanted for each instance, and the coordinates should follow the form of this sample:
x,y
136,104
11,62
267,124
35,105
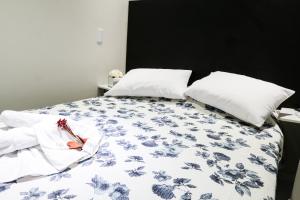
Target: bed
x,y
157,148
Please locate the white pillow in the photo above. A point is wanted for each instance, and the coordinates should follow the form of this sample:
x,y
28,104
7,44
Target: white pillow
x,y
168,83
246,98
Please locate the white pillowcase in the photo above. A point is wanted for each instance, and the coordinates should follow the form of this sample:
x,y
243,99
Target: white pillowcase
x,y
168,83
246,98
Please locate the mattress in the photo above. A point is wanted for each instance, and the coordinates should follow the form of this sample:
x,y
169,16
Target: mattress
x,y
155,148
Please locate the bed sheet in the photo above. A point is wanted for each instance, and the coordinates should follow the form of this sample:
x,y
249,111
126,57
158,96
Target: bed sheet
x,y
155,148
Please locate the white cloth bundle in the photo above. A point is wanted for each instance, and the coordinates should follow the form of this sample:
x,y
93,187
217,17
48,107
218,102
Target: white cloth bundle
x,y
16,139
41,146
17,119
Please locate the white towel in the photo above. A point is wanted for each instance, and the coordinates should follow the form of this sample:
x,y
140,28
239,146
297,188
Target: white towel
x,y
42,146
16,139
17,119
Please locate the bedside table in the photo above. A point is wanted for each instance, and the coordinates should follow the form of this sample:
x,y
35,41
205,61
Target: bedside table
x,y
290,126
102,88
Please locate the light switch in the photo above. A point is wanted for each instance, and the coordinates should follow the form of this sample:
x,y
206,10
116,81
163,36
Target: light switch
x,y
99,36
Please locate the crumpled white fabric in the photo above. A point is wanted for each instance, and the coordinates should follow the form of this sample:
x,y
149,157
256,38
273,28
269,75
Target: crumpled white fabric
x,y
41,146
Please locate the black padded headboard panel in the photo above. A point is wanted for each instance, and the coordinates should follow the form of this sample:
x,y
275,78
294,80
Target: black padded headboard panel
x,y
258,38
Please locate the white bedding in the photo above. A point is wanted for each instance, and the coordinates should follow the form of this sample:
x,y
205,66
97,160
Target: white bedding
x,y
162,149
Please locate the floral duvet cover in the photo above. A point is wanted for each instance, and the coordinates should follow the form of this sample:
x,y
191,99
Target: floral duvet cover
x,y
161,149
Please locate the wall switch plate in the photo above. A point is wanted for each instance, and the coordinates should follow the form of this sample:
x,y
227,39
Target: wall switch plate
x,y
99,36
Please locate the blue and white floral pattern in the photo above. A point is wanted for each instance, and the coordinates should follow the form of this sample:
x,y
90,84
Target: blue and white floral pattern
x,y
32,194
155,148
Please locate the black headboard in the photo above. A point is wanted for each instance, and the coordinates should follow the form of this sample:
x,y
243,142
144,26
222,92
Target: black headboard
x,y
258,38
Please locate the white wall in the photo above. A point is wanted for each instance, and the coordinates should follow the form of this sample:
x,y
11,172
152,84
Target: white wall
x,y
49,53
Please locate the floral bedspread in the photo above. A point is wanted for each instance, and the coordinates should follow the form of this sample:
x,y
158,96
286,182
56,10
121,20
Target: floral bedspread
x,y
161,149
